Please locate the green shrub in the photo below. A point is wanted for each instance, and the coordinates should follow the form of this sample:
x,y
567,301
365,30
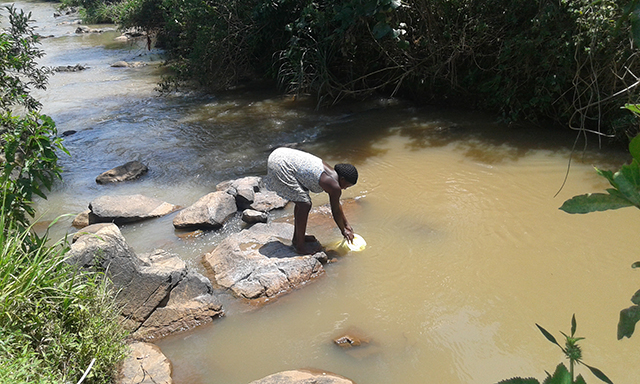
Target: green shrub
x,y
53,318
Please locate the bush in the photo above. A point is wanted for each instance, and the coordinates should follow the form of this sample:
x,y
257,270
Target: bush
x,y
570,61
54,320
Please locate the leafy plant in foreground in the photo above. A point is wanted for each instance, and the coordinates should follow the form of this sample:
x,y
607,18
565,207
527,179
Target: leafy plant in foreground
x,y
28,143
625,193
55,320
573,352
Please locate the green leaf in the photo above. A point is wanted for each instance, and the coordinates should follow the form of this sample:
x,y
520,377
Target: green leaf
x,y
520,380
628,319
607,175
380,30
636,264
560,376
548,335
635,108
579,380
574,325
626,181
634,145
598,373
593,202
635,299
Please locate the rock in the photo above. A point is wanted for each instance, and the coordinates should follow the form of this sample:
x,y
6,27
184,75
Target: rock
x,y
70,68
303,377
256,264
129,171
84,29
145,364
209,212
120,64
352,338
266,201
251,216
127,209
125,64
242,189
122,38
250,193
81,220
142,283
158,294
191,303
190,235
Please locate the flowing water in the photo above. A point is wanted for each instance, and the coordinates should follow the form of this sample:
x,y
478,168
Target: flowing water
x,y
466,252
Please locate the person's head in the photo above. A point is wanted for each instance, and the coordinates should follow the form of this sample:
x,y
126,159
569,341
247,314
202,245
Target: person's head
x,y
348,173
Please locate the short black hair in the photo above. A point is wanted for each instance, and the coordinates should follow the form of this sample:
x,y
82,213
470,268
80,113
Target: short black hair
x,y
348,171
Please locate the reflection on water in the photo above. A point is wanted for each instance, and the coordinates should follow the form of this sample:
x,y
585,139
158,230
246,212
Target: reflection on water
x,y
466,248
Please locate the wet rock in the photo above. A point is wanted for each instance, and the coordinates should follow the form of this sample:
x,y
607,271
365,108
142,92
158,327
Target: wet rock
x,y
128,171
70,68
158,294
125,64
81,220
127,209
243,190
352,338
84,29
209,212
191,303
303,377
251,216
256,263
266,201
145,364
250,193
190,235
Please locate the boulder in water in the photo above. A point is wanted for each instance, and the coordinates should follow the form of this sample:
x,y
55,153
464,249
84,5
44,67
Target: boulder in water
x,y
259,262
128,171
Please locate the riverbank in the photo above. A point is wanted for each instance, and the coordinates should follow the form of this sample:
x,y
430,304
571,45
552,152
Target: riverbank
x,y
467,249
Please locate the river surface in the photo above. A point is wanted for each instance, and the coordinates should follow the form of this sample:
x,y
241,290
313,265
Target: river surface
x,y
466,252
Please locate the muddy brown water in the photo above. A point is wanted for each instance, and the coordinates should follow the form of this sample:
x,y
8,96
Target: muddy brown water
x,y
466,252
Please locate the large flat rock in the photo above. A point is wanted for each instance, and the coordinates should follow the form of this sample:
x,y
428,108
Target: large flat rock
x,y
260,263
127,209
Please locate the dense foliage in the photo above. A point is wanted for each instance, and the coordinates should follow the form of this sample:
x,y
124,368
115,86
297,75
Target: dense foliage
x,y
28,157
54,321
572,61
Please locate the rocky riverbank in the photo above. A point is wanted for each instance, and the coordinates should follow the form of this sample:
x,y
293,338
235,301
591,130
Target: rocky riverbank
x,y
160,295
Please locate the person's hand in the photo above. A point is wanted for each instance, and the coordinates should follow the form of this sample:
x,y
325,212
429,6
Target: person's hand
x,y
348,234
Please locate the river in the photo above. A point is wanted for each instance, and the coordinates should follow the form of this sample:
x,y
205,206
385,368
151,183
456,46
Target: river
x,y
467,249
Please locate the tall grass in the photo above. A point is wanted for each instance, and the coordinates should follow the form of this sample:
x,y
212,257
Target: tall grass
x,y
54,320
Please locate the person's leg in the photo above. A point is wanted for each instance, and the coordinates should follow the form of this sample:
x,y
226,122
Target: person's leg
x,y
300,217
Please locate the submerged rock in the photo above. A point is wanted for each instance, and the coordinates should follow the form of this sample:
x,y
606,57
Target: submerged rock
x,y
303,377
127,209
145,364
128,171
256,263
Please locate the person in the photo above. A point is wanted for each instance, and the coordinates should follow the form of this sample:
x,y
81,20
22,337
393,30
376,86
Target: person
x,y
292,173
